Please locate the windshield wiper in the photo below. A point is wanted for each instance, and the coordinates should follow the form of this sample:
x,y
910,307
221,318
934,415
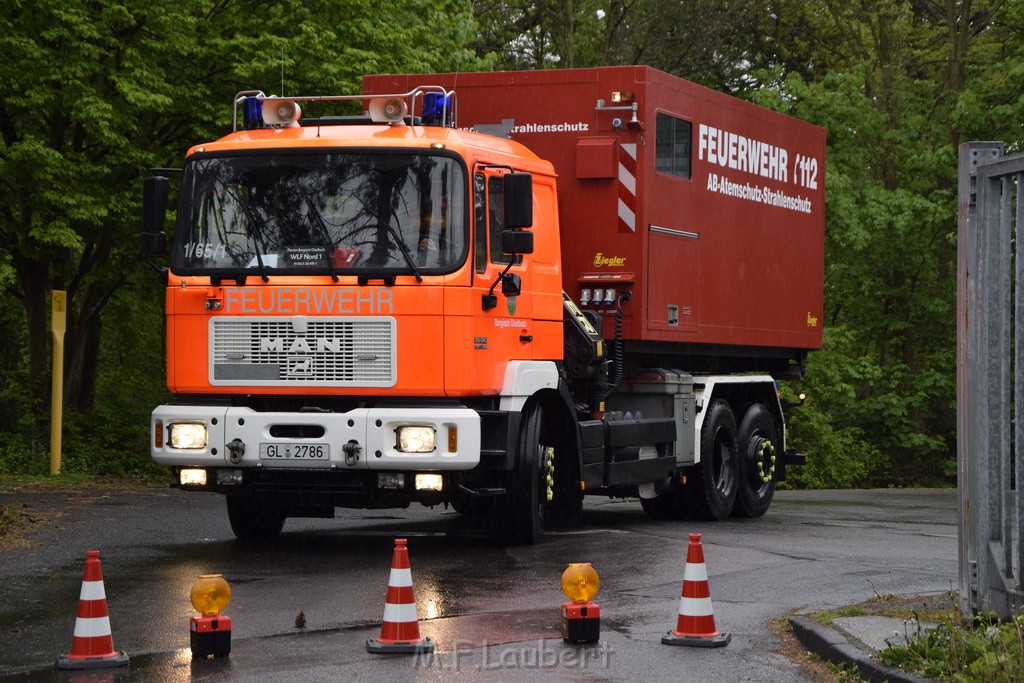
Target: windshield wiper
x,y
259,257
255,233
326,235
405,252
409,260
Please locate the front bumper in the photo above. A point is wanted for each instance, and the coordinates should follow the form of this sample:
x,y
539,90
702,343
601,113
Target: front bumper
x,y
361,439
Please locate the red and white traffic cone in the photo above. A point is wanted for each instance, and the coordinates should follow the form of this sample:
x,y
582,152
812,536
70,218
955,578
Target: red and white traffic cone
x,y
696,623
400,630
92,646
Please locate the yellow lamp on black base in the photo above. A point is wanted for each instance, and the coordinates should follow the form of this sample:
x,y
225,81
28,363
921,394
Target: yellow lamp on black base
x,y
581,618
210,633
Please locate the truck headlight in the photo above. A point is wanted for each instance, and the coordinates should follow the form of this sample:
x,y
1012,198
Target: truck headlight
x,y
187,435
415,439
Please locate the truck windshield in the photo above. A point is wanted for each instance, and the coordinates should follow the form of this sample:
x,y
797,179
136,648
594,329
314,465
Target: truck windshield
x,y
322,213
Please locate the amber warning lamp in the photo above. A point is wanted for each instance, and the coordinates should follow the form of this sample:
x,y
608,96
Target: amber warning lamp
x,y
581,618
210,633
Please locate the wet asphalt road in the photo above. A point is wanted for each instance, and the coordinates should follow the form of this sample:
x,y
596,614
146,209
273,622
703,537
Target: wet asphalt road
x,y
493,612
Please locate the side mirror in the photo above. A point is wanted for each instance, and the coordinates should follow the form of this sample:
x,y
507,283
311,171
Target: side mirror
x,y
518,200
511,285
517,242
154,203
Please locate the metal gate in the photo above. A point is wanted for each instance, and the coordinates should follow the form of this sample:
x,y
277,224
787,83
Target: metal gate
x,y
990,383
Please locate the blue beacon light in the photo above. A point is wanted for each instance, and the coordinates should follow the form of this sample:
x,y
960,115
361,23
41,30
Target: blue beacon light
x,y
252,113
437,109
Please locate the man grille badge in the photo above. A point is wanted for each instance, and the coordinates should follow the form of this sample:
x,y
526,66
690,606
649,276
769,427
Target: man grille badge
x,y
299,366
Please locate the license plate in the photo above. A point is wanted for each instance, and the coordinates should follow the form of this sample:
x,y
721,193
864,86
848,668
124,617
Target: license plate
x,y
295,451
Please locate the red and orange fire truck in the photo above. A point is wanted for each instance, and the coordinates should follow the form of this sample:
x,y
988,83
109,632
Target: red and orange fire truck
x,y
499,291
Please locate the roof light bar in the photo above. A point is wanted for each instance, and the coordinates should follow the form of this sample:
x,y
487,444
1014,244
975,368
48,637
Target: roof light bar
x,y
260,110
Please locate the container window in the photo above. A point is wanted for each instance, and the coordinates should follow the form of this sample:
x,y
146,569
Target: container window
x,y
672,146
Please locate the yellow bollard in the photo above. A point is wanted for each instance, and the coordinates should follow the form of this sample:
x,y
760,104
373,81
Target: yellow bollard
x,y
59,326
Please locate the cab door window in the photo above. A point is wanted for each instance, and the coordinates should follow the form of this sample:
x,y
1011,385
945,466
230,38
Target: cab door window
x,y
489,208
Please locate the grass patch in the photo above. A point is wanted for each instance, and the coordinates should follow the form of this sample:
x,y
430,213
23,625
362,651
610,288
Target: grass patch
x,y
17,520
813,667
930,608
826,617
11,518
25,483
964,649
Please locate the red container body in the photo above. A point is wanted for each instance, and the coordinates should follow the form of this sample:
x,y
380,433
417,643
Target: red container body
x,y
707,209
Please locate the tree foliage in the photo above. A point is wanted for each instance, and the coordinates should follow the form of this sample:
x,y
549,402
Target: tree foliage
x,y
93,93
892,98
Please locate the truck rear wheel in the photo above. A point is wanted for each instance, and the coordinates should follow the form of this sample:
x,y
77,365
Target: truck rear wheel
x,y
517,516
711,490
254,521
758,444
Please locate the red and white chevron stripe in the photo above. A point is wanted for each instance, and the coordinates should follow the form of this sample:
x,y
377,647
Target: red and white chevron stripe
x,y
627,186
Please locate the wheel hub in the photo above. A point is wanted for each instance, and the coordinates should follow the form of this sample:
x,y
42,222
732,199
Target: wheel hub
x,y
764,459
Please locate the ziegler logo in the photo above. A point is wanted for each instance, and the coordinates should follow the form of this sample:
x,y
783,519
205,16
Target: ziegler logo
x,y
602,260
300,345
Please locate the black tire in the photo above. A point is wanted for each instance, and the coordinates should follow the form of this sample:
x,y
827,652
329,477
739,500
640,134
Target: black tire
x,y
711,488
254,521
517,517
759,446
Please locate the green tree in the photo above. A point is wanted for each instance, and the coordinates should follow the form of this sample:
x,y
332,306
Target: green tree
x,y
79,87
712,42
93,93
898,86
517,34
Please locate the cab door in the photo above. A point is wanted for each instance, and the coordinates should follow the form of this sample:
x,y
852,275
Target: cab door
x,y
480,339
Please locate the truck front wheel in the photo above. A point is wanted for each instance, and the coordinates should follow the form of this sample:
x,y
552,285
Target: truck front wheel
x,y
711,490
517,516
254,521
757,442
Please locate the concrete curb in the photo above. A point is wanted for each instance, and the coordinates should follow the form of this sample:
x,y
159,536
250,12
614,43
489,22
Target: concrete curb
x,y
834,647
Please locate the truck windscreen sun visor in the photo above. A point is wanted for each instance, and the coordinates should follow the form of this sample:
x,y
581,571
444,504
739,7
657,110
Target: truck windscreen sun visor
x,y
325,213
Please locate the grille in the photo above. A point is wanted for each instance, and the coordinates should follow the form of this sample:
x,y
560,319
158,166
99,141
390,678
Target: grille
x,y
303,351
